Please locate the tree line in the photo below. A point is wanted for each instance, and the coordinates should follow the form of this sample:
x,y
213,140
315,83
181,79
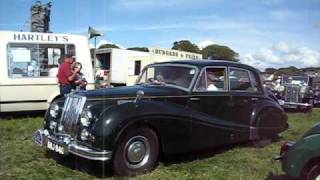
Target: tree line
x,y
291,71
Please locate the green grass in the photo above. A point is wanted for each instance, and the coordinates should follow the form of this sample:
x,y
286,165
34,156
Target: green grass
x,y
21,158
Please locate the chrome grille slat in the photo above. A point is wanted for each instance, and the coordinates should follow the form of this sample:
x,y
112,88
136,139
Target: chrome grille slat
x,y
292,93
71,111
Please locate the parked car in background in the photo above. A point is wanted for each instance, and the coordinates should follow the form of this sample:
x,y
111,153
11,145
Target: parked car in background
x,y
316,90
296,93
175,107
301,159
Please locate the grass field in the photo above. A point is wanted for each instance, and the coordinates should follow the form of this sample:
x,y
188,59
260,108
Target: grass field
x,y
21,158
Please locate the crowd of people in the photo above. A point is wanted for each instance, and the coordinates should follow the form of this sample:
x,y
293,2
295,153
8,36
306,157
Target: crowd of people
x,y
70,77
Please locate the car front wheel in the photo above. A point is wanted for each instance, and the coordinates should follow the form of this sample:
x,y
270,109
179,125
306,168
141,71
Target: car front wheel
x,y
313,173
137,152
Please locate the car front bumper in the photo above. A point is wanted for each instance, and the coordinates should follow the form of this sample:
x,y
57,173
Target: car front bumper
x,y
294,105
64,145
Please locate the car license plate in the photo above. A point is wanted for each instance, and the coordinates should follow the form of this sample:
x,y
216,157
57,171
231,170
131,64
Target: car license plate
x,y
55,147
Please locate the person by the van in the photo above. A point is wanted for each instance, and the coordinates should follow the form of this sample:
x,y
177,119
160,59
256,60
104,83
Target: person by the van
x,y
66,76
80,81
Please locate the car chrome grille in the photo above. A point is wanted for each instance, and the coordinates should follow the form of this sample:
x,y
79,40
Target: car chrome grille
x,y
71,111
292,93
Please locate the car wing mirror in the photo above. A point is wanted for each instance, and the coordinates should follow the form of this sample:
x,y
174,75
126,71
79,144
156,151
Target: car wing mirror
x,y
139,96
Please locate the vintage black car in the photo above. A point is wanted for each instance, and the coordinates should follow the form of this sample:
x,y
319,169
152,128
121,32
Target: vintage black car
x,y
175,107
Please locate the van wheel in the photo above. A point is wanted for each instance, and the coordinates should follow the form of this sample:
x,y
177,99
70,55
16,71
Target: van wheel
x,y
137,152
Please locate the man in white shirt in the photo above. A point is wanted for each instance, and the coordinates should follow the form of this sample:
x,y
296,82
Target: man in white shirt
x,y
210,82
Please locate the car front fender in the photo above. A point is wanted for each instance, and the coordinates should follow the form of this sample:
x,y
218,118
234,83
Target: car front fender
x,y
172,123
298,156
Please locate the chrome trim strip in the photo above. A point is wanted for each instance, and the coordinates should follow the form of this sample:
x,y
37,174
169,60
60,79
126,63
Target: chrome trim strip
x,y
133,97
23,101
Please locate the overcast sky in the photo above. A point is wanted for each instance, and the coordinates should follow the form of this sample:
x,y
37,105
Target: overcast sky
x,y
266,33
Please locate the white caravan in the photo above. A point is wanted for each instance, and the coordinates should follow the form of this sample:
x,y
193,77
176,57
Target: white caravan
x,y
116,63
29,64
121,66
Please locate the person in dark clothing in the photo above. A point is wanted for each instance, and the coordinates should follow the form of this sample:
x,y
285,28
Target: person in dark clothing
x,y
66,76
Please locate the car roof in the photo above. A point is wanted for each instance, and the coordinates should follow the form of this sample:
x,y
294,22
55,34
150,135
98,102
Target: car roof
x,y
204,63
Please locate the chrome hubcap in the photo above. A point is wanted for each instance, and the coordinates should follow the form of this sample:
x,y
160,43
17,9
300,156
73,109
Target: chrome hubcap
x,y
137,151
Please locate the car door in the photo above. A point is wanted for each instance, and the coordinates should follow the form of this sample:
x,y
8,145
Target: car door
x,y
245,91
210,107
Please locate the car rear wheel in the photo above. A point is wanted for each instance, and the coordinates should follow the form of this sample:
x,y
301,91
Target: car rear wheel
x,y
265,136
137,152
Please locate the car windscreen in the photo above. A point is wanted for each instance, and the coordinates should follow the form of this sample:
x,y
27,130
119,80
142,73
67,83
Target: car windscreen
x,y
180,76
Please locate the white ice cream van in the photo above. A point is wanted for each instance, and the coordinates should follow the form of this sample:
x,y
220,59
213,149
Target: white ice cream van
x,y
28,67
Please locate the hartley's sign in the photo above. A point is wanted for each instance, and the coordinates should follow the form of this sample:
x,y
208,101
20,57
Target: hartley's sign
x,y
40,37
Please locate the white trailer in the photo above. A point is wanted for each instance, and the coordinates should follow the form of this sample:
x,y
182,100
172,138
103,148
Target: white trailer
x,y
122,67
29,64
114,63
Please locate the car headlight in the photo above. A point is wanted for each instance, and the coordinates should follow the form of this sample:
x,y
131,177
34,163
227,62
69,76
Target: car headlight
x,y
86,118
85,121
54,110
52,125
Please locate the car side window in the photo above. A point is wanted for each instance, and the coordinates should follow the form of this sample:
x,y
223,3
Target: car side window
x,y
240,80
255,82
212,79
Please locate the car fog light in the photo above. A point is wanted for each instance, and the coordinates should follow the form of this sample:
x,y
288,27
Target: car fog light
x,y
53,125
60,128
46,132
281,102
89,114
85,122
66,140
84,135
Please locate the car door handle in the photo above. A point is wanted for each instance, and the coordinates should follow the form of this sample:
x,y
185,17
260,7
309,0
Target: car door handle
x,y
254,99
194,99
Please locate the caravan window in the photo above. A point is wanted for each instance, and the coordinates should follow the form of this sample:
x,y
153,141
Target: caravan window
x,y
36,60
